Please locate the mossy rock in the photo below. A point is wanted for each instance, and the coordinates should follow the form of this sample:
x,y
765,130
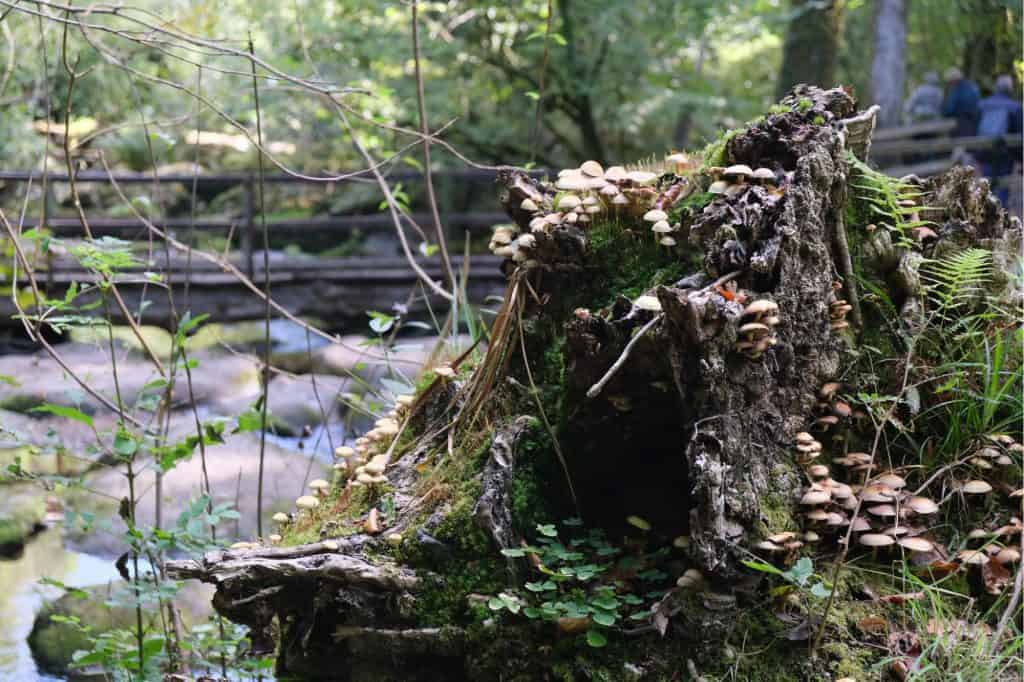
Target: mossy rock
x,y
21,517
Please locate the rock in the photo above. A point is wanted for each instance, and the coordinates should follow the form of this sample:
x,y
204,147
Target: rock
x,y
22,509
53,644
233,472
296,402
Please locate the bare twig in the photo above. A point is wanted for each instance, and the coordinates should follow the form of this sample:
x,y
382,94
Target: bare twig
x,y
596,389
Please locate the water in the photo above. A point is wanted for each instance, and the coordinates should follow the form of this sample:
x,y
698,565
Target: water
x,y
21,596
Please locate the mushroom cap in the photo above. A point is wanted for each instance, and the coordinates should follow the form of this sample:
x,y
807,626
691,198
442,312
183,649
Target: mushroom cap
x,y
667,241
330,545
526,241
977,487
827,420
394,539
817,515
754,329
529,204
818,470
829,389
814,446
891,480
839,325
763,174
883,510
841,409
642,177
307,502
648,303
274,538
280,517
319,484
739,170
876,540
972,557
811,536
841,491
1019,492
978,534
614,173
861,525
344,451
769,546
654,215
916,544
620,200
814,497
877,492
782,538
1008,555
592,169
569,201
761,306
921,505
804,437
444,371
661,226
677,157
718,187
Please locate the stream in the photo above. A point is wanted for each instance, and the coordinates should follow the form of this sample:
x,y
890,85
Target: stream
x,y
21,596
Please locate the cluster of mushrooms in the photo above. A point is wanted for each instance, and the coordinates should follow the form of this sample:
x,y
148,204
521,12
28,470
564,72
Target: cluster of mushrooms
x,y
737,178
757,331
891,516
583,193
837,311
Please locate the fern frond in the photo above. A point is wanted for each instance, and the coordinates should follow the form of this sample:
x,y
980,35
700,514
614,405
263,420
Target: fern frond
x,y
958,276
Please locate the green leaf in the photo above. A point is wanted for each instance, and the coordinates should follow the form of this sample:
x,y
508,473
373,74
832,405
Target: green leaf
x,y
801,571
66,412
820,591
638,522
125,444
514,552
547,530
604,618
761,566
596,639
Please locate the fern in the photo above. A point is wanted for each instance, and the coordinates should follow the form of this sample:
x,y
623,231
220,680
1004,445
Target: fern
x,y
882,195
960,276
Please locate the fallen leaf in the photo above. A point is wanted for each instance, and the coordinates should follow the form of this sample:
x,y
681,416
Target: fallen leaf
x,y
873,625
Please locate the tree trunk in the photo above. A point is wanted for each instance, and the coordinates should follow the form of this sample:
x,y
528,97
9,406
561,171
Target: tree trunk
x,y
889,64
636,387
993,46
811,50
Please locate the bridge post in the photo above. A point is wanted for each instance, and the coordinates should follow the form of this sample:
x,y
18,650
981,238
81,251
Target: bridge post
x,y
248,233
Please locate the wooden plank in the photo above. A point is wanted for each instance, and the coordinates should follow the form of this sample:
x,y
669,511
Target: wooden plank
x,y
941,145
363,176
940,126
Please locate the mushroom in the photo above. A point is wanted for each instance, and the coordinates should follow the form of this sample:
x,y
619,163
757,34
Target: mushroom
x,y
529,205
737,173
650,303
641,177
592,169
655,215
818,471
916,545
329,545
976,488
394,539
280,518
882,510
615,173
444,371
921,505
972,557
661,227
667,241
690,578
1007,555
763,176
829,389
274,538
307,502
718,187
816,497
760,309
344,451
372,523
568,202
875,541
891,480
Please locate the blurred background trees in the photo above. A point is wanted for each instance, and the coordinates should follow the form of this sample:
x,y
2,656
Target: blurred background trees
x,y
623,80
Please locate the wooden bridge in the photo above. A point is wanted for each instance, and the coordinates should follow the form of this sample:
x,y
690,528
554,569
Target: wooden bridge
x,y
336,289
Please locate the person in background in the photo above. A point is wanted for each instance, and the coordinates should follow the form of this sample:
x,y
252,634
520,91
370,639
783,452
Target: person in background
x,y
925,102
961,102
1000,114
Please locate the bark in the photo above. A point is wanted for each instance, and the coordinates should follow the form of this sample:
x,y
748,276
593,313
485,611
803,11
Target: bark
x,y
889,64
811,49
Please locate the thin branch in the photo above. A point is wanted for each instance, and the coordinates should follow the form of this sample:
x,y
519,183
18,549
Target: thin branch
x,y
596,389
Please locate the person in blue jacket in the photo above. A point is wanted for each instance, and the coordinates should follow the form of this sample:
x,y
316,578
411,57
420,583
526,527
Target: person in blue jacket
x,y
1000,114
961,102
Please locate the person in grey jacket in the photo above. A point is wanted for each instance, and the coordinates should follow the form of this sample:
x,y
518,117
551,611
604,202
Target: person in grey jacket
x,y
925,102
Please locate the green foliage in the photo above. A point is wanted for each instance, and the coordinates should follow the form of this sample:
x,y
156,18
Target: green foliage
x,y
800,575
580,579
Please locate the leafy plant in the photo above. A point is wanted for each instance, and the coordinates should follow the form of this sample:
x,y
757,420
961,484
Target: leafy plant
x,y
800,575
582,582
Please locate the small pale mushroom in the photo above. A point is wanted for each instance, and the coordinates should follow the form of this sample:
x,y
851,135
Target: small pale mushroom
x,y
861,525
738,173
763,176
319,486
615,173
804,437
1007,555
827,421
718,187
528,204
876,540
568,202
372,523
655,215
815,497
841,409
274,538
882,510
592,169
782,538
976,487
330,545
650,303
641,177
242,546
280,518
307,502
661,227
667,241
394,539
829,389
916,545
817,515
344,451
770,547
891,480
921,505
972,557
444,371
818,471
691,578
